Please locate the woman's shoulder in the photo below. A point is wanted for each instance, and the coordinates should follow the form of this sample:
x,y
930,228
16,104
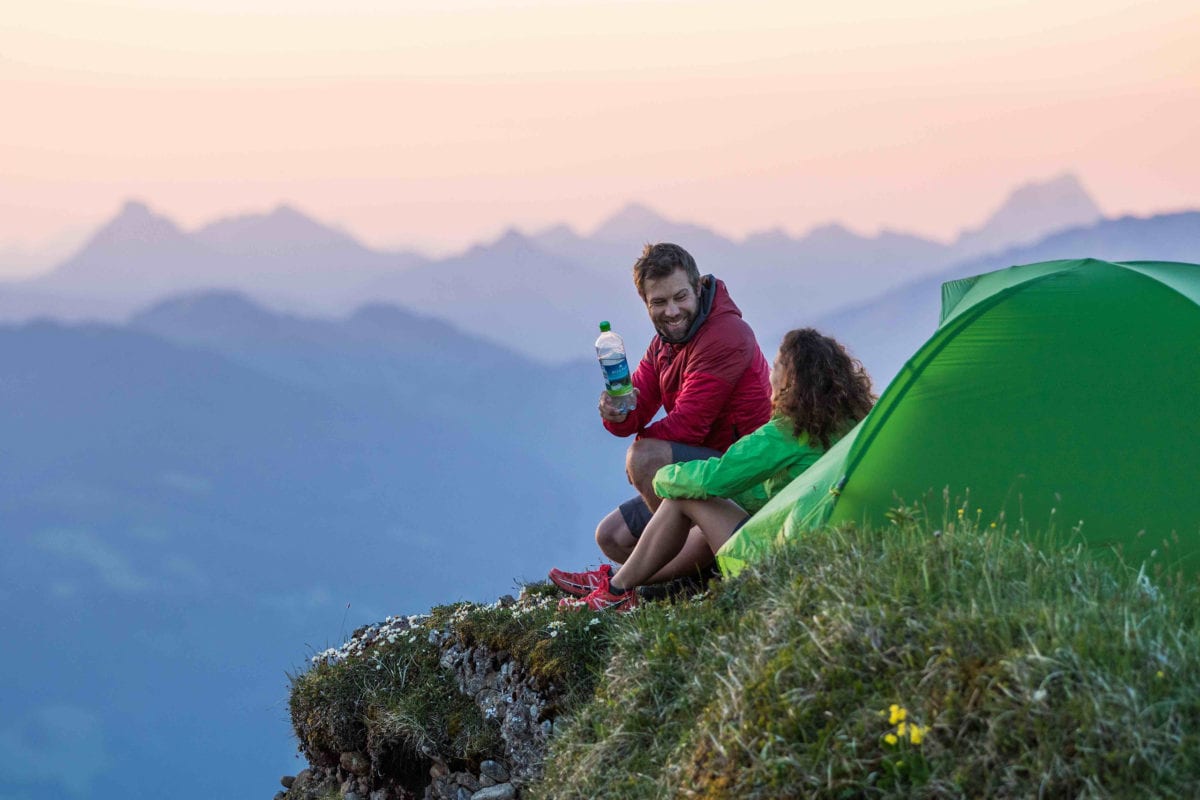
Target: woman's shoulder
x,y
781,428
782,425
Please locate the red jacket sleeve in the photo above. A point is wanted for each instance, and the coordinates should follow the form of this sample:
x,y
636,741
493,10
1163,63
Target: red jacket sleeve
x,y
712,374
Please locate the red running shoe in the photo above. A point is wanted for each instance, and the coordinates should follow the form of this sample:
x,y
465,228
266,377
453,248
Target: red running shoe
x,y
580,584
602,599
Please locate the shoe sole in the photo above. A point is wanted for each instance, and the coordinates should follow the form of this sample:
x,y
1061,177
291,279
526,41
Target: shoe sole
x,y
572,588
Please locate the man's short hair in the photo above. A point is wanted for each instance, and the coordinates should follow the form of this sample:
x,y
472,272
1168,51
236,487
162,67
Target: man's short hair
x,y
659,261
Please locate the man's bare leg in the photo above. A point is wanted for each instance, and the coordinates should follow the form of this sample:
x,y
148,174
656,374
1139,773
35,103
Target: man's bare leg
x,y
644,458
614,537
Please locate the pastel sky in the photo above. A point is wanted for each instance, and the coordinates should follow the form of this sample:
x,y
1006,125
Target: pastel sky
x,y
438,122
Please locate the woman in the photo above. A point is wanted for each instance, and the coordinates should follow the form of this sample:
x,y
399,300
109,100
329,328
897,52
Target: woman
x,y
818,393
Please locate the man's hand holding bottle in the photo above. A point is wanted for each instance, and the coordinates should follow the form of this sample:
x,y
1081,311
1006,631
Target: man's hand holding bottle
x,y
616,409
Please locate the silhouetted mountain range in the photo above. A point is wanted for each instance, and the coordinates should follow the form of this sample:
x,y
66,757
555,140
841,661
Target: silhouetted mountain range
x,y
283,258
516,294
540,294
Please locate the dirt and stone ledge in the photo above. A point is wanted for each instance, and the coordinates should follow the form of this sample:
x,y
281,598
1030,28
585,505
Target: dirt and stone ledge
x,y
502,690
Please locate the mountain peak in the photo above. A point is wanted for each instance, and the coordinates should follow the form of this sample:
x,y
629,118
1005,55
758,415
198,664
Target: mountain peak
x,y
206,312
511,237
133,209
136,222
831,234
210,302
509,245
770,237
382,314
284,229
556,237
1032,211
559,231
285,210
634,221
510,242
1066,183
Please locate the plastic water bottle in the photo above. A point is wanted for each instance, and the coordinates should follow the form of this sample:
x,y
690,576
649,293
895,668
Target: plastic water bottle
x,y
610,349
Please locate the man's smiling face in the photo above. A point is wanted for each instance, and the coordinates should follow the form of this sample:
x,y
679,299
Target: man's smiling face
x,y
673,304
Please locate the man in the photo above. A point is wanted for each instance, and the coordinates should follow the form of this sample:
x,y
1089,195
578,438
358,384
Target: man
x,y
706,369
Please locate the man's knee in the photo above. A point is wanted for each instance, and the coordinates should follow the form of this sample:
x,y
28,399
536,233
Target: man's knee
x,y
614,537
646,457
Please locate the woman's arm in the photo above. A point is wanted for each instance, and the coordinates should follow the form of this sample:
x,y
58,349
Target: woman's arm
x,y
748,462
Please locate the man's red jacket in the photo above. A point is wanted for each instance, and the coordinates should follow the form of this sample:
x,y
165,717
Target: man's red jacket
x,y
716,386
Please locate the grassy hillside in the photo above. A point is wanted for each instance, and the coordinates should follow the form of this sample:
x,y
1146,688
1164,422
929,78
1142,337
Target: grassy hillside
x,y
959,662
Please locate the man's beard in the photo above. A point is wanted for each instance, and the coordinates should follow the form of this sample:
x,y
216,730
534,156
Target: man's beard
x,y
684,329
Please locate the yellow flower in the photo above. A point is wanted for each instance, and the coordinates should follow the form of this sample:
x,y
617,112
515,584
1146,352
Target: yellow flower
x,y
993,524
917,732
890,738
1159,675
898,714
960,513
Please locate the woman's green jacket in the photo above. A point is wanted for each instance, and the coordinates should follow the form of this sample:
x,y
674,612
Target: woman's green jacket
x,y
753,470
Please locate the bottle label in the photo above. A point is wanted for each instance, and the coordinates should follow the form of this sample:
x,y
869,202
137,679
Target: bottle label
x,y
616,377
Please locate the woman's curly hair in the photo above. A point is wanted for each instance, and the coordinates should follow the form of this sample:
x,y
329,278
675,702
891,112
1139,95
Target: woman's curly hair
x,y
819,388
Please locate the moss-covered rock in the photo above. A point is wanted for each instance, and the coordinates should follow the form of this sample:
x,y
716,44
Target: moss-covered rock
x,y
420,704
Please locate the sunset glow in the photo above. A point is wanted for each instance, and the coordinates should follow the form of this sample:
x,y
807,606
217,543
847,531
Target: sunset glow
x,y
437,123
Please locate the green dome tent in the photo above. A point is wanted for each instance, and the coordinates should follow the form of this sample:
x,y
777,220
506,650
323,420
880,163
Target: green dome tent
x,y
1050,394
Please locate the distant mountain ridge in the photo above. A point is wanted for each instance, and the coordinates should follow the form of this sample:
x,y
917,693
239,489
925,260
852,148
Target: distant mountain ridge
x,y
284,229
540,293
283,258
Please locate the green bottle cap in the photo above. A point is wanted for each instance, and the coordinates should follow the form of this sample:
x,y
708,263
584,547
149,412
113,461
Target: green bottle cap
x,y
604,326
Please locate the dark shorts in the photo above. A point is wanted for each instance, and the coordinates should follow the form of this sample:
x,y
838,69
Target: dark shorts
x,y
635,512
